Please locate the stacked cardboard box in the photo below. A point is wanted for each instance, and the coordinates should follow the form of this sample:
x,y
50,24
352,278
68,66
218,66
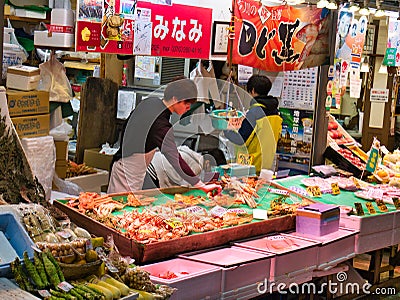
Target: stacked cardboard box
x,y
61,158
29,112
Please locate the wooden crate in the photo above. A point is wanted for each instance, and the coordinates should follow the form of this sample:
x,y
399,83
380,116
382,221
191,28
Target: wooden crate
x,y
143,253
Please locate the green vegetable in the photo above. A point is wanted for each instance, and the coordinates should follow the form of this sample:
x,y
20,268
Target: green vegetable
x,y
62,295
75,293
32,272
56,265
93,293
22,276
17,276
40,269
51,270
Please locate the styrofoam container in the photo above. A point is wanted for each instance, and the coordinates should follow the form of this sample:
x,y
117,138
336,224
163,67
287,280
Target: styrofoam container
x,y
25,78
334,248
373,241
237,264
202,281
57,39
62,16
368,224
17,238
287,250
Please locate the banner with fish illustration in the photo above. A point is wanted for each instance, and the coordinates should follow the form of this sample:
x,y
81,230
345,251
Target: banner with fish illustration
x,y
280,38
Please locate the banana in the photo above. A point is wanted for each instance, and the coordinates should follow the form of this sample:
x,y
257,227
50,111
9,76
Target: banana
x,y
121,286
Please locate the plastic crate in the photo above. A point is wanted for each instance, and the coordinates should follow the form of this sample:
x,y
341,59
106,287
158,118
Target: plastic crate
x,y
286,263
236,264
16,237
194,280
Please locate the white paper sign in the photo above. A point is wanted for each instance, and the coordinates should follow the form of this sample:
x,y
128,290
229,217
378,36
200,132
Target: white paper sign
x,y
143,36
379,95
355,87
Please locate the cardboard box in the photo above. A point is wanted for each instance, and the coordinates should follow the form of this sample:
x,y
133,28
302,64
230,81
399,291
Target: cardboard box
x,y
61,150
23,78
32,126
91,182
61,168
22,103
94,159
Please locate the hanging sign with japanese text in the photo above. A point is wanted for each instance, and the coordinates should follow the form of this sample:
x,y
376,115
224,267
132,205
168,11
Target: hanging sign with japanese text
x,y
392,55
153,29
280,38
180,30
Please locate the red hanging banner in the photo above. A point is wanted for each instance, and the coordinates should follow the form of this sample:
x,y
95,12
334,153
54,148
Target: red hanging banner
x,y
280,38
111,26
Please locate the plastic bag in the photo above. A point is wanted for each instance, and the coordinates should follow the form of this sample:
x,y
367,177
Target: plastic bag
x,y
61,132
67,187
54,80
13,54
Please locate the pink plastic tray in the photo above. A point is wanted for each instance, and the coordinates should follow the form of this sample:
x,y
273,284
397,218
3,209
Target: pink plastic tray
x,y
334,248
236,264
202,280
287,250
373,241
370,224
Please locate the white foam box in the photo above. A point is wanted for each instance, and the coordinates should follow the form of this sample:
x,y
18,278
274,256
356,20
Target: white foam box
x,y
286,265
21,12
91,182
24,78
62,16
55,39
334,248
236,264
195,280
373,241
368,224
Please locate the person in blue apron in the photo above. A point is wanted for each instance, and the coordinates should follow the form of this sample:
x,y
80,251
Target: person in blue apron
x,y
257,138
148,128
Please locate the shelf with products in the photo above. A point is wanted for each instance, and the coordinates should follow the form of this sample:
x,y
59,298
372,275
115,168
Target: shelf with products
x,y
26,19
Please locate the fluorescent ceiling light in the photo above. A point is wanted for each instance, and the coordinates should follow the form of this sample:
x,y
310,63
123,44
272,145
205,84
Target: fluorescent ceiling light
x,y
365,65
364,11
382,69
380,13
332,5
354,7
322,3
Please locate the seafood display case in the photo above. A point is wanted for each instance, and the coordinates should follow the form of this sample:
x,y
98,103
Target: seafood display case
x,y
149,252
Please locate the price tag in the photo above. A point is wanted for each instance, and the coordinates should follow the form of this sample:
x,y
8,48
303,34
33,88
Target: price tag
x,y
65,286
64,234
359,209
396,202
44,293
279,192
370,208
381,205
335,188
36,248
314,191
89,245
260,214
174,223
194,209
244,159
238,211
218,211
298,190
356,183
102,255
375,194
